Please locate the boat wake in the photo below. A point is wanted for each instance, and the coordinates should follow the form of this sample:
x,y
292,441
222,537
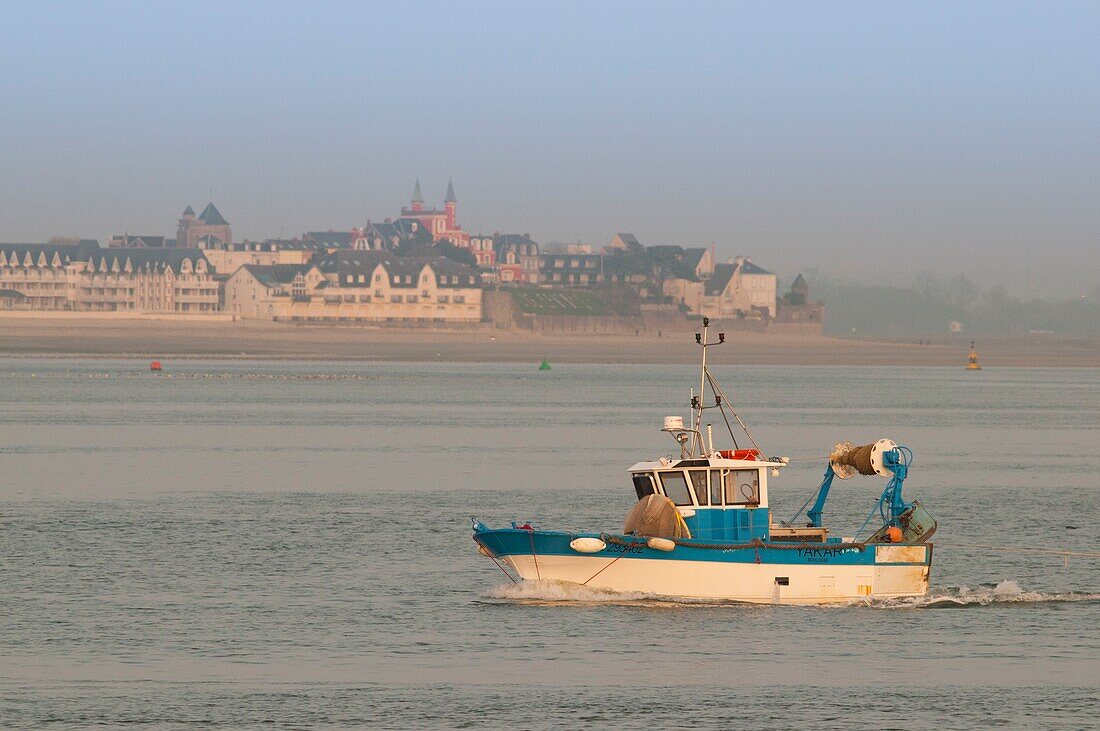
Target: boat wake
x,y
562,592
1005,592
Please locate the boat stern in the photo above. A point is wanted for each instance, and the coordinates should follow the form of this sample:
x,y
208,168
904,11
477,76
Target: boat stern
x,y
901,570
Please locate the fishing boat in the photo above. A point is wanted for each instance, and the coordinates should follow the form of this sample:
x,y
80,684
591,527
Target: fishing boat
x,y
702,526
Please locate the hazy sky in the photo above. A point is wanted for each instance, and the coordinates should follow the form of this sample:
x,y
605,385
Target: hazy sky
x,y
875,140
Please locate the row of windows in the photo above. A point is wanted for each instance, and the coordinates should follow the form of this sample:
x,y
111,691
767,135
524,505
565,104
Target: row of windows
x,y
92,276
458,299
113,291
23,284
442,299
707,487
407,279
40,273
571,277
573,264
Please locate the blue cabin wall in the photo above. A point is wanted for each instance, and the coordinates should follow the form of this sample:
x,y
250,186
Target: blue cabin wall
x,y
739,525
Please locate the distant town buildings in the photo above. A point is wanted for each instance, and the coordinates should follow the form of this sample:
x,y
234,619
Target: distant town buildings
x,y
228,257
353,286
736,289
421,266
517,259
210,225
796,306
128,241
86,278
380,236
740,287
441,225
570,270
625,243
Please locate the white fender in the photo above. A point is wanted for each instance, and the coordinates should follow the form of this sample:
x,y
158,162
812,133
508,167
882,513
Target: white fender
x,y
587,545
660,544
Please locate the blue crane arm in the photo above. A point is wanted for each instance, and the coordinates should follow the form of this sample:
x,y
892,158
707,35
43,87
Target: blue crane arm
x,y
814,513
895,460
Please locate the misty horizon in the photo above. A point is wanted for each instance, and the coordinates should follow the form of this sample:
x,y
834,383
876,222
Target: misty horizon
x,y
870,143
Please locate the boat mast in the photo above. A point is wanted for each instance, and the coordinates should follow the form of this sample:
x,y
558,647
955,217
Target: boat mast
x,y
698,445
720,399
698,425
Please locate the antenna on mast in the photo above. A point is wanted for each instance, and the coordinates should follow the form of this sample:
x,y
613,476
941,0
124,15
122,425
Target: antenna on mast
x,y
674,425
697,402
720,400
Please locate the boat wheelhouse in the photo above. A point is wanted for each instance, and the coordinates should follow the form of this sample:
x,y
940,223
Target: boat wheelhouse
x,y
702,526
721,497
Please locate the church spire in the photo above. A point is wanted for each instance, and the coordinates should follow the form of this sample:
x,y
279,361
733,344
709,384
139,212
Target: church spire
x,y
450,192
417,197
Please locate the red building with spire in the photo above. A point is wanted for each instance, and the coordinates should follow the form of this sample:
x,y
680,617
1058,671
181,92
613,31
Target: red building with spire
x,y
442,224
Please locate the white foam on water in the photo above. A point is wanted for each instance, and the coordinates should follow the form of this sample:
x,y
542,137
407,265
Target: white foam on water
x,y
1008,591
560,591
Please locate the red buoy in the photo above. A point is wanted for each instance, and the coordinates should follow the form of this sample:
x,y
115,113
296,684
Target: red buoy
x,y
155,365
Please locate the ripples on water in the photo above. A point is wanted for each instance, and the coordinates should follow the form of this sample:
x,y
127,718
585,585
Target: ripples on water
x,y
252,543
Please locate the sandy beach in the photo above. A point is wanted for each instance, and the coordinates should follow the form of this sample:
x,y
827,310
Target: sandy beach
x,y
149,338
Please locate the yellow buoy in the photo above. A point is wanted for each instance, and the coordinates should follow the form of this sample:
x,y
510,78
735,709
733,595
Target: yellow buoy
x,y
972,364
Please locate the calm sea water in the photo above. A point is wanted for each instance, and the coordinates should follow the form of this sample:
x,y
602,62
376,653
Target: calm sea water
x,y
235,544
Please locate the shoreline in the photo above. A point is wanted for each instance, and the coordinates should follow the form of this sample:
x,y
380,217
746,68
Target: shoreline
x,y
74,338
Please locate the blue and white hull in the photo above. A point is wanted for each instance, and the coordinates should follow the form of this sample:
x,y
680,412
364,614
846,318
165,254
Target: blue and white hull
x,y
758,572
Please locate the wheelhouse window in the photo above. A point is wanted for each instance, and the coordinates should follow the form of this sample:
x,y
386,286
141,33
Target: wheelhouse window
x,y
699,485
676,487
742,487
716,487
643,485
